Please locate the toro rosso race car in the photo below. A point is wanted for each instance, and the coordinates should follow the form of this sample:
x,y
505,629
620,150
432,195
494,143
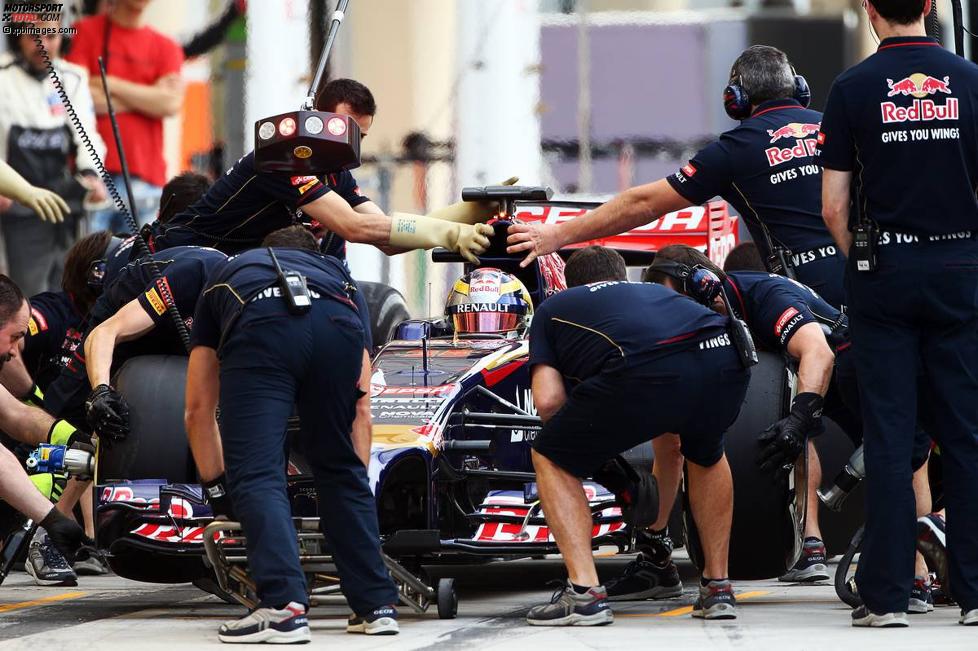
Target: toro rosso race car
x,y
453,419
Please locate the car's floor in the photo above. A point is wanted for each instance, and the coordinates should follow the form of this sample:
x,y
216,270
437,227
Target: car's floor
x,y
111,613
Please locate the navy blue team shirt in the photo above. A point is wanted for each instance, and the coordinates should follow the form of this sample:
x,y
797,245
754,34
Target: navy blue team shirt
x,y
603,326
903,121
775,307
183,270
53,331
766,169
244,278
243,206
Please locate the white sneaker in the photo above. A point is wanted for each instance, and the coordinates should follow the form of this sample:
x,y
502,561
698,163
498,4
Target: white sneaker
x,y
969,618
46,564
862,616
286,626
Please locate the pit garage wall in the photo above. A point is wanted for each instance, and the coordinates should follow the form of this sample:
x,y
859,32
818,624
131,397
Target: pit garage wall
x,y
657,81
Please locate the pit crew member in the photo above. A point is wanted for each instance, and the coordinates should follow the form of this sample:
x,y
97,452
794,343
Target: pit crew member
x,y
784,315
32,425
765,168
131,315
179,193
55,328
601,354
243,206
896,127
323,368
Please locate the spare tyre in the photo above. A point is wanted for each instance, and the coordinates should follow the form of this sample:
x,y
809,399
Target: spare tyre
x,y
387,309
763,539
156,447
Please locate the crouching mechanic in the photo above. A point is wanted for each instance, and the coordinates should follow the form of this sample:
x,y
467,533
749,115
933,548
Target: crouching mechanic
x,y
614,364
29,424
324,370
130,318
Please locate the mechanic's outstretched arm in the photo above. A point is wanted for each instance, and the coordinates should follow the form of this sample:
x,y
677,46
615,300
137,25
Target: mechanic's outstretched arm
x,y
363,424
200,412
130,322
815,359
399,230
835,206
32,425
203,434
630,209
548,390
105,409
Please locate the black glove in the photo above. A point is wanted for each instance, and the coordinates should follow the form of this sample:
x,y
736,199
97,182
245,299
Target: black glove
x,y
65,534
107,413
216,494
783,441
636,493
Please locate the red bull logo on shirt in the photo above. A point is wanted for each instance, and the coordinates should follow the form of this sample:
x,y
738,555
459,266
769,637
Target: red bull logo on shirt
x,y
919,86
803,144
793,130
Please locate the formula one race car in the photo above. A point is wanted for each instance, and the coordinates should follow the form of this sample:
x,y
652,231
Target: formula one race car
x,y
453,419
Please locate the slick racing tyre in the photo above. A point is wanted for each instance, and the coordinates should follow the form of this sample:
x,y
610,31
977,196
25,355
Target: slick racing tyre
x,y
387,309
762,538
156,447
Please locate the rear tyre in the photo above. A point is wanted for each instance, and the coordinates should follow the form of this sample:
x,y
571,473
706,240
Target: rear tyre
x,y
762,538
387,309
156,447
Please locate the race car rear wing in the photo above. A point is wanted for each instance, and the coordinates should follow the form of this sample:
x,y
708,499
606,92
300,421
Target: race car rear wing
x,y
710,228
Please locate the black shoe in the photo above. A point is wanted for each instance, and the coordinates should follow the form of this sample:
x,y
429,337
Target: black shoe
x,y
716,601
921,599
811,566
656,546
643,579
568,608
379,621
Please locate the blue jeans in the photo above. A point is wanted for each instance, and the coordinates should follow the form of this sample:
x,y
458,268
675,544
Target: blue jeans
x,y
271,361
147,197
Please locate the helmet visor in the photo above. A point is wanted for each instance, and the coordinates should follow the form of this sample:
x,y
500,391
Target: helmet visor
x,y
478,322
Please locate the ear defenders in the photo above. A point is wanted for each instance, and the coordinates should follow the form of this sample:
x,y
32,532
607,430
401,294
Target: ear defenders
x,y
699,283
96,270
736,101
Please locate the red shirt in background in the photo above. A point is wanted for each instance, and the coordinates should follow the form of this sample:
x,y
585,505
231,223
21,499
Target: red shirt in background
x,y
142,56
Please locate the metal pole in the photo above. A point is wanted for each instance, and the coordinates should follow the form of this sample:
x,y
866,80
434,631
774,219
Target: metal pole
x,y
583,99
335,21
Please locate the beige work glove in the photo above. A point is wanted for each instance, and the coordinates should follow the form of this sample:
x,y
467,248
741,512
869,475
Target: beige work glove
x,y
418,232
48,206
471,212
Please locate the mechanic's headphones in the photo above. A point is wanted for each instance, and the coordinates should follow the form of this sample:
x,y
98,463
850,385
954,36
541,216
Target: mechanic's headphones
x,y
95,278
737,104
699,283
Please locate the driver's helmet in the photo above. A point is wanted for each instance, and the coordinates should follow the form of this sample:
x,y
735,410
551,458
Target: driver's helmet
x,y
488,300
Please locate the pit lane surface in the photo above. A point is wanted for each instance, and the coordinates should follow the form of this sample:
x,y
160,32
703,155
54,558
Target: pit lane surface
x,y
107,613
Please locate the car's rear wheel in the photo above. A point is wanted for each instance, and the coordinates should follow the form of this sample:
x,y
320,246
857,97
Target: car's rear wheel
x,y
156,447
762,538
387,309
